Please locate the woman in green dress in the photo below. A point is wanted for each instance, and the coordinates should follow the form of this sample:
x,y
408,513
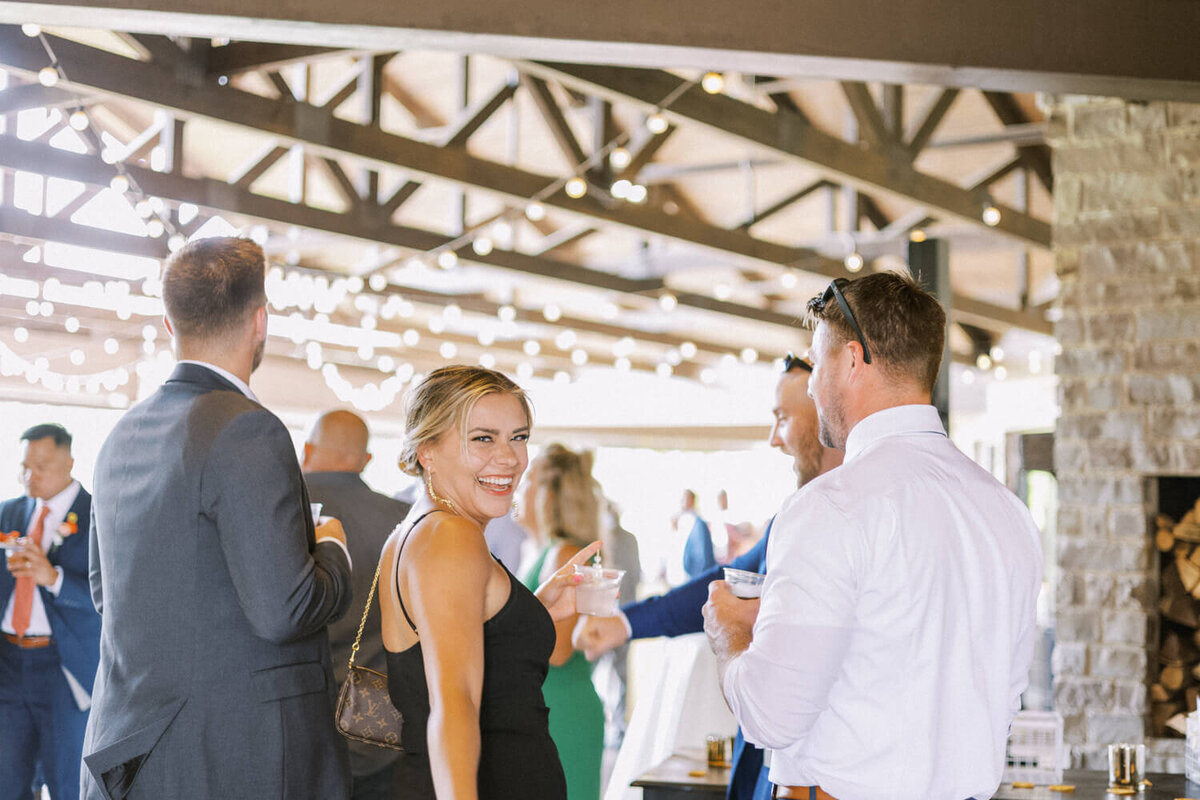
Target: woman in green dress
x,y
560,506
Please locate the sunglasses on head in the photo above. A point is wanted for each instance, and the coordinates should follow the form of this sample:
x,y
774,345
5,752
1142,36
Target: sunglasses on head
x,y
834,292
792,361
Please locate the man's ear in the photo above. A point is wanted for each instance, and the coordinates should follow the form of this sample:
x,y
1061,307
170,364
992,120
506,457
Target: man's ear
x,y
260,323
167,323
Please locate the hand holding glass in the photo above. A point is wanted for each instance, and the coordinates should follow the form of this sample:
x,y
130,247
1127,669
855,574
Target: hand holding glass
x,y
597,593
744,584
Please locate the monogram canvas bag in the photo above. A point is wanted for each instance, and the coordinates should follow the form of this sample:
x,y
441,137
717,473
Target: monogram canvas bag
x,y
364,710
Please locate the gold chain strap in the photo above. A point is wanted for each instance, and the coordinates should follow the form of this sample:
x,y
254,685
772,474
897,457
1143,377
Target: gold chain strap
x,y
366,611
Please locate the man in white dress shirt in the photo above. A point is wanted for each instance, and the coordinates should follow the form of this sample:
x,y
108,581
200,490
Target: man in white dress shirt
x,y
893,638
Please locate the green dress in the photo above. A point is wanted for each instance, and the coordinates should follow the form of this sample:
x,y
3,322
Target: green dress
x,y
576,714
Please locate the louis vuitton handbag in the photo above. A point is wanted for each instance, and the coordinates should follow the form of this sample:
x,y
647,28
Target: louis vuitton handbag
x,y
364,710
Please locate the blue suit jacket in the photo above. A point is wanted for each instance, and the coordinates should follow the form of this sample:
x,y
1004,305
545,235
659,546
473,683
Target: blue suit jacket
x,y
73,619
678,612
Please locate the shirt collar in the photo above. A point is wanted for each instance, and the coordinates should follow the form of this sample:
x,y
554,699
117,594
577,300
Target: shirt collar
x,y
893,421
229,376
61,503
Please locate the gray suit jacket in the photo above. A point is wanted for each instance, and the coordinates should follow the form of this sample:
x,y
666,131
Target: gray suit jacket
x,y
214,677
368,517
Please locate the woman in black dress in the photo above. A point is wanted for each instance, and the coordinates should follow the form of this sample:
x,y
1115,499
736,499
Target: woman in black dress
x,y
448,607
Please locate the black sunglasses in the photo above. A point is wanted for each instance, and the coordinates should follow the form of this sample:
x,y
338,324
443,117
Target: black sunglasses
x,y
792,361
834,291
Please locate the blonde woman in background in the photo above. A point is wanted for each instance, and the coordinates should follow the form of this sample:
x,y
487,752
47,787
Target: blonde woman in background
x,y
467,644
561,507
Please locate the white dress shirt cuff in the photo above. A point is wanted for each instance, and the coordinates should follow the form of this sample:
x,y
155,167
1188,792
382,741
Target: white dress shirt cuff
x,y
625,621
340,544
56,587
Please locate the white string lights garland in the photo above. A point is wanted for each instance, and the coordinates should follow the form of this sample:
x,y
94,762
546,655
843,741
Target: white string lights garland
x,y
320,296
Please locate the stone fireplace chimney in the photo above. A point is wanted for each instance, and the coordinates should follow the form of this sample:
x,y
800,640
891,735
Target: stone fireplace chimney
x,y
1127,250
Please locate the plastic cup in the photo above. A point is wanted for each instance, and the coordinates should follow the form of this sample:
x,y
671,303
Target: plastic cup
x,y
597,593
744,584
315,510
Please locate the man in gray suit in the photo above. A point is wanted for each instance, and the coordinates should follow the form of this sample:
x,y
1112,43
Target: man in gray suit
x,y
334,458
213,586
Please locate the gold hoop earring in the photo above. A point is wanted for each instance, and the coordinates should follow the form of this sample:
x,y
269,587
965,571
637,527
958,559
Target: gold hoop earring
x,y
435,497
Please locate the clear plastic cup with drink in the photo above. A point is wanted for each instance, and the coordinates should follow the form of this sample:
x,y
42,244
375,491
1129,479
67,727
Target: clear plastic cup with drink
x,y
744,584
597,593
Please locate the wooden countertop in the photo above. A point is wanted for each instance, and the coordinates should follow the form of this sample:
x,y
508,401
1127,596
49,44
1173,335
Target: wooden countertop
x,y
1092,785
674,772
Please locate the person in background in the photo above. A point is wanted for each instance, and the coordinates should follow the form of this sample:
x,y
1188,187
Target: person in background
x,y
561,507
335,455
51,631
214,587
468,646
721,529
889,649
611,671
795,433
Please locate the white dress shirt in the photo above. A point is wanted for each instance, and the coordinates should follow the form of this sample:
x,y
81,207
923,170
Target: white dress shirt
x,y
896,627
60,506
245,389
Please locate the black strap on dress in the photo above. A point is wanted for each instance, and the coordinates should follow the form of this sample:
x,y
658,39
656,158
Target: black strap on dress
x,y
396,577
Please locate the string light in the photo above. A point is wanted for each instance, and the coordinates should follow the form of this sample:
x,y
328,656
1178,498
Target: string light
x,y
667,302
657,124
31,30
78,120
854,262
482,245
447,259
713,82
552,313
48,76
916,235
535,212
991,216
575,188
620,158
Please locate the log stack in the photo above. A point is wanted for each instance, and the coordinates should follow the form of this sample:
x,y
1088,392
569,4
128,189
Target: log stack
x,y
1176,685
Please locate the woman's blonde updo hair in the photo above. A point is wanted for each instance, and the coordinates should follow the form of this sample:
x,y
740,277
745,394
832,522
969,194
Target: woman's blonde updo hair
x,y
565,496
444,400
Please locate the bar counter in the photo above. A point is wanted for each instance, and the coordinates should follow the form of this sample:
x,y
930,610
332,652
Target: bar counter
x,y
685,776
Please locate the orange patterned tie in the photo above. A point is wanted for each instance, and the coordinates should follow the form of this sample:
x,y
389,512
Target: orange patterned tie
x,y
23,598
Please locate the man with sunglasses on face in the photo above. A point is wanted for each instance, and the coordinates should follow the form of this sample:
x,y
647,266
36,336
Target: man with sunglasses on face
x,y
895,630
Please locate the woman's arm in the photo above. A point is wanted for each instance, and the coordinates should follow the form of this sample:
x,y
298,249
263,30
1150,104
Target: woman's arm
x,y
563,649
445,582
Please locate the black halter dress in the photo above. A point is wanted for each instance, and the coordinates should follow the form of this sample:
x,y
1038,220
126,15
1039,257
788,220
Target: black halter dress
x,y
517,756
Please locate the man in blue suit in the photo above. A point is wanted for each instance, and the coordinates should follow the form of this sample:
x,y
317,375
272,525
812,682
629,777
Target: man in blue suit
x,y
51,632
678,612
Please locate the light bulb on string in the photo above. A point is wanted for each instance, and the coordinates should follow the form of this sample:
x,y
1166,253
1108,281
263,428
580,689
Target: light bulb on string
x,y
31,30
482,245
48,76
667,302
991,216
78,120
917,235
713,82
575,188
620,158
854,262
119,184
657,124
535,212
447,259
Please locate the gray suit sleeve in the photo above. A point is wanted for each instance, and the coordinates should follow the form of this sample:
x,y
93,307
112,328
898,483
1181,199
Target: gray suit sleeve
x,y
94,562
253,491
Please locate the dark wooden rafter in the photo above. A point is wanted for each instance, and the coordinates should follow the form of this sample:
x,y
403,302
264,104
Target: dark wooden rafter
x,y
785,202
867,169
872,128
644,153
783,100
556,121
473,117
33,95
423,115
1002,171
257,165
313,128
238,57
929,120
341,180
1035,156
281,85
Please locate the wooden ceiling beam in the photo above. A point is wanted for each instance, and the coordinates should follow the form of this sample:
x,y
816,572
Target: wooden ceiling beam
x,y
868,170
238,57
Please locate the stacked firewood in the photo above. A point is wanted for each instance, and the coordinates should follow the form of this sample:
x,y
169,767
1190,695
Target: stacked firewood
x,y
1174,693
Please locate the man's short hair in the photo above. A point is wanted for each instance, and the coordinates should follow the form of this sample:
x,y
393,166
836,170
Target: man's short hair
x,y
904,325
210,285
48,430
